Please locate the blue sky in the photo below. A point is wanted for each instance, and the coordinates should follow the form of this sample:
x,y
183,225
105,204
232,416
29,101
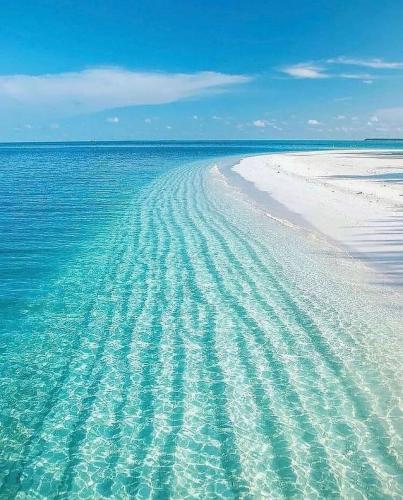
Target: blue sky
x,y
186,69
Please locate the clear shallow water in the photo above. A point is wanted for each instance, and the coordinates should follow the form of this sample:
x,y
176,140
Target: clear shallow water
x,y
162,337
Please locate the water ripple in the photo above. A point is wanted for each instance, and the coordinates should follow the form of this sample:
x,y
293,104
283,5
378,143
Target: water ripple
x,y
203,352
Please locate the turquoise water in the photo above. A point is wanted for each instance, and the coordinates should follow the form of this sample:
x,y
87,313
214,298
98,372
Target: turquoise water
x,y
162,337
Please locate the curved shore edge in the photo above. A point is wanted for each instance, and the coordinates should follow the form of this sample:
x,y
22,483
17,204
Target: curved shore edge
x,y
353,198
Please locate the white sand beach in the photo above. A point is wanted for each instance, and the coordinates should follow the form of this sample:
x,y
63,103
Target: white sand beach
x,y
353,198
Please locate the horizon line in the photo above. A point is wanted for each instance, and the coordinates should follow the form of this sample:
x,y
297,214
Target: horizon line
x,y
97,141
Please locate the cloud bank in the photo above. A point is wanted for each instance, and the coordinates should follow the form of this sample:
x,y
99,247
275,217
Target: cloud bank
x,y
106,88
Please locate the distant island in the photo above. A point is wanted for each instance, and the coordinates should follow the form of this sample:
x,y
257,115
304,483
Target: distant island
x,y
382,139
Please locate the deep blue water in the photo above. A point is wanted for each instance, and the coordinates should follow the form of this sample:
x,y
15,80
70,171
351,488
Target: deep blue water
x,y
159,339
54,197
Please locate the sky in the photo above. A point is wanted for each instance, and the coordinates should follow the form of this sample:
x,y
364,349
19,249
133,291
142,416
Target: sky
x,y
207,69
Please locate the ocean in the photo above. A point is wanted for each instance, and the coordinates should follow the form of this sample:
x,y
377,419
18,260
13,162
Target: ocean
x,y
161,337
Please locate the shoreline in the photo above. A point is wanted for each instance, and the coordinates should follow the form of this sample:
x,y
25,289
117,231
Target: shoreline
x,y
350,198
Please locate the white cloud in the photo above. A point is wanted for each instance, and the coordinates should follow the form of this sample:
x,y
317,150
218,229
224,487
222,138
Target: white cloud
x,y
169,127
54,126
375,63
313,71
304,70
195,117
105,88
26,126
356,76
260,123
147,120
313,122
215,117
113,119
265,123
387,120
340,117
321,69
344,129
